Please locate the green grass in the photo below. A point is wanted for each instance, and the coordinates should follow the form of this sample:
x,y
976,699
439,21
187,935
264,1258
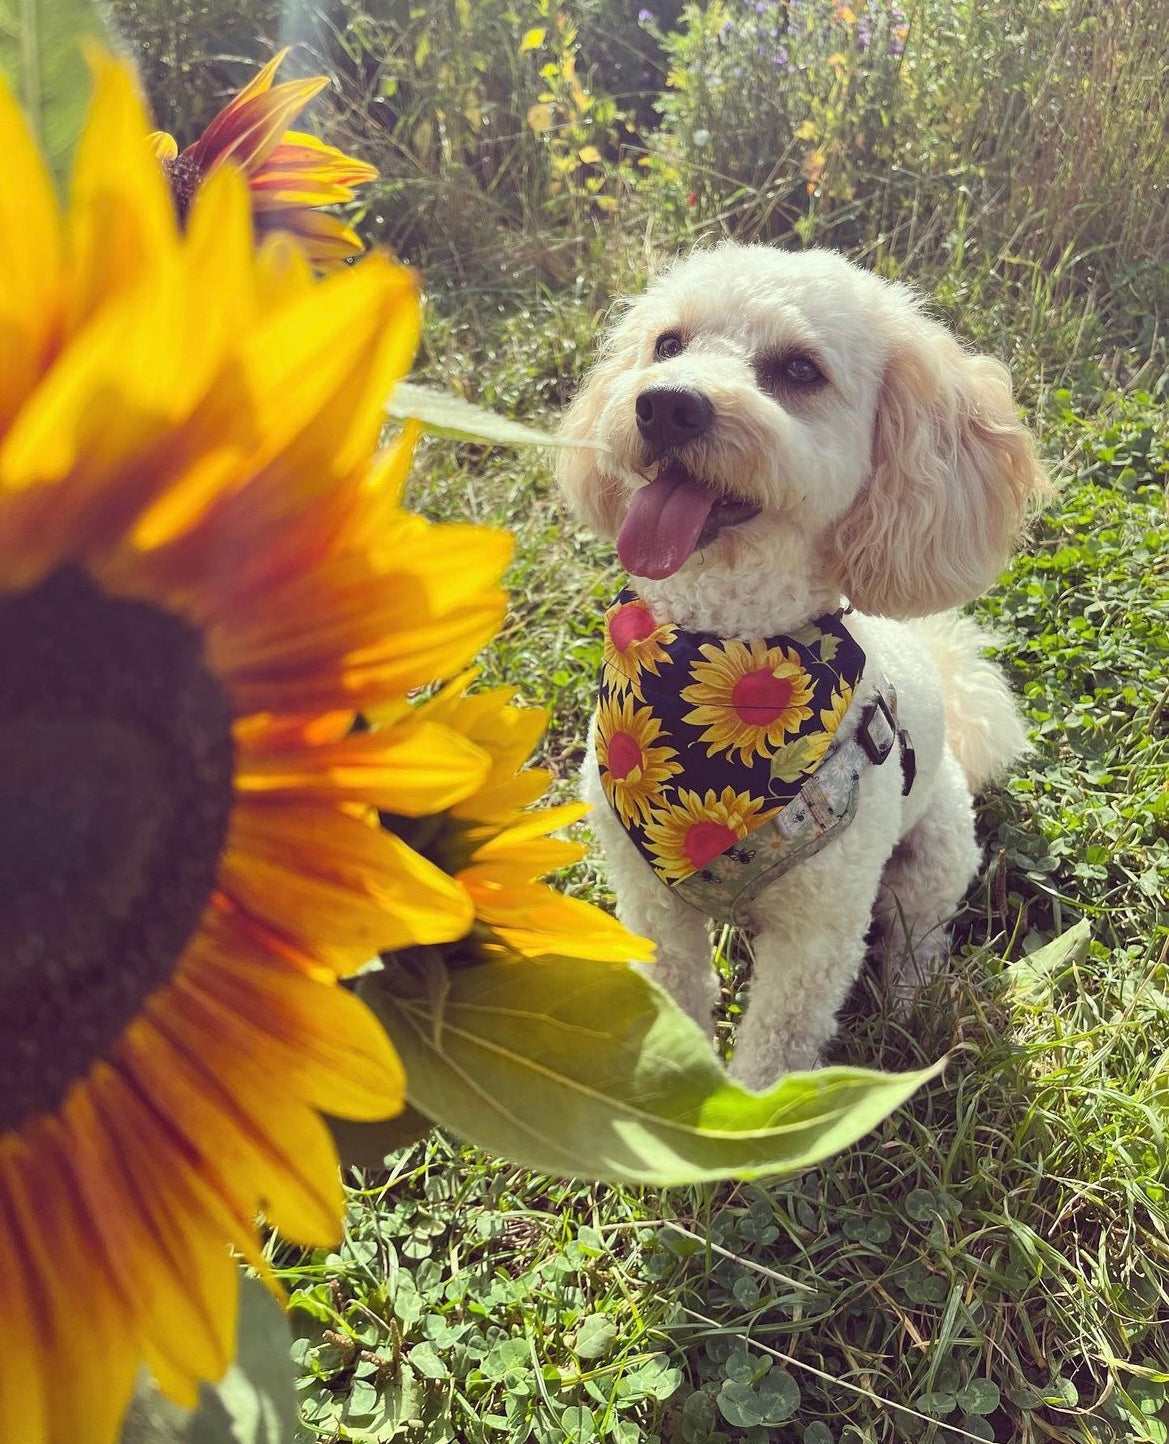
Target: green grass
x,y
993,1262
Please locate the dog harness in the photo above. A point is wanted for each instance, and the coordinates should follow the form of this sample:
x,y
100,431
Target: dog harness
x,y
719,756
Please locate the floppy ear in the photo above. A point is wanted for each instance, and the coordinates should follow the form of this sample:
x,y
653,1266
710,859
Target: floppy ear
x,y
953,472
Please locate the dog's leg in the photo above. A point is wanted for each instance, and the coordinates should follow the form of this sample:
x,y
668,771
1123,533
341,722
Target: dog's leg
x,y
923,883
796,990
809,946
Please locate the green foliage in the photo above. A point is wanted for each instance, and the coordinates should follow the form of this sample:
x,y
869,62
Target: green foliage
x,y
778,115
459,1310
42,57
1088,607
193,55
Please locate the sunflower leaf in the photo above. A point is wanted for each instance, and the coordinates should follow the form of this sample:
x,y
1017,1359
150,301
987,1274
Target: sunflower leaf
x,y
592,1071
255,1401
42,54
445,415
365,1145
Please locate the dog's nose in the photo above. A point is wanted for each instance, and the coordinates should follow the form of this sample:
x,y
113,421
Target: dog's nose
x,y
672,415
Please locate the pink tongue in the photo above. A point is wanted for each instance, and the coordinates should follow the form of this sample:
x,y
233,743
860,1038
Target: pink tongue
x,y
663,523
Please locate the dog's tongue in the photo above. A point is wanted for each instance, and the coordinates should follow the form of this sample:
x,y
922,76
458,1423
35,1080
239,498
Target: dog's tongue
x,y
663,523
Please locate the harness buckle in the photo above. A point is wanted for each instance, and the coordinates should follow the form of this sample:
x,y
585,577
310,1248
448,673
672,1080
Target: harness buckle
x,y
877,730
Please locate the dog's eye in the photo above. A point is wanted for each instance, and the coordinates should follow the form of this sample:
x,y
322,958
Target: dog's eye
x,y
793,371
668,346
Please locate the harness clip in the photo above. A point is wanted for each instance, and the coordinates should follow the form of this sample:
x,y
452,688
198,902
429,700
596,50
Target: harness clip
x,y
877,730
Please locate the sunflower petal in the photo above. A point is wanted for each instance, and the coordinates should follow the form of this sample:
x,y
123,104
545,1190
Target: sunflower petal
x,y
23,1410
271,1150
185,1300
322,1041
414,769
248,130
30,259
123,227
316,874
96,1350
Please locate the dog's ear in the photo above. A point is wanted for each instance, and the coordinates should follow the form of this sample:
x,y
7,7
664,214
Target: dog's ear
x,y
593,495
953,474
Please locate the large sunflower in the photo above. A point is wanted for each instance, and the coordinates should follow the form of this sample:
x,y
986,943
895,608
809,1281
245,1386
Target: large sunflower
x,y
748,696
498,849
289,173
202,577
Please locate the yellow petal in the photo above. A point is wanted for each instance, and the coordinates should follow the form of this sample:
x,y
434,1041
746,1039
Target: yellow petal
x,y
544,923
161,145
174,1265
123,225
339,888
321,1041
271,1152
30,260
23,1410
95,1349
413,769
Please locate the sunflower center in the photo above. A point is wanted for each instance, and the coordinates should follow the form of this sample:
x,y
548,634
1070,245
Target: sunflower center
x,y
707,840
760,697
184,176
116,771
630,623
624,755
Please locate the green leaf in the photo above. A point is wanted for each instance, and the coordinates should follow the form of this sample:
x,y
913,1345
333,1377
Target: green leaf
x,y
590,1070
779,1396
1033,978
445,415
41,53
367,1145
937,1405
255,1401
739,1404
152,1418
979,1396
595,1337
793,759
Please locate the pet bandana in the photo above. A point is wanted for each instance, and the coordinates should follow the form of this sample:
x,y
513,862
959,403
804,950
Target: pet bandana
x,y
702,740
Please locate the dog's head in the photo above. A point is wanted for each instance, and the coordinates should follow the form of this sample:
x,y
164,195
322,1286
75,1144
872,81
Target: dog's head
x,y
752,390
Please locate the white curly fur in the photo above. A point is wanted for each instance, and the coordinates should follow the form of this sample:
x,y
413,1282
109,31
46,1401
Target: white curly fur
x,y
900,484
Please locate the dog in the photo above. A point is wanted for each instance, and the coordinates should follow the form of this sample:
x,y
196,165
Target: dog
x,y
803,473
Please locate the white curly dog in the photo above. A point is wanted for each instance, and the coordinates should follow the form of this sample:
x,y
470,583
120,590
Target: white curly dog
x,y
787,448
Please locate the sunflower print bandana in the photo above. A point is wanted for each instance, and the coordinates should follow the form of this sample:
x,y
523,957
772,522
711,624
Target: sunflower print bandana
x,y
701,739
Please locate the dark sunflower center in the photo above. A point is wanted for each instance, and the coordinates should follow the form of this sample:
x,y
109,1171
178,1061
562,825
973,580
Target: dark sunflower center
x,y
184,176
116,771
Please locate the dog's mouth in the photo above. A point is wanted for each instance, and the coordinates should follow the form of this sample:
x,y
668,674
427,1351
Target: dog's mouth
x,y
671,518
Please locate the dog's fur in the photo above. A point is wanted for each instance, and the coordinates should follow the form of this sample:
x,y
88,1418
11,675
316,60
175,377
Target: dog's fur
x,y
899,483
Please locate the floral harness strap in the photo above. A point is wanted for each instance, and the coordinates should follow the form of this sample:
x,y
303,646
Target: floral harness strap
x,y
705,742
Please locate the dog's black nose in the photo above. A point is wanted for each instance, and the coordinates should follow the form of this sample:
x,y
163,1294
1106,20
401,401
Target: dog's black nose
x,y
672,415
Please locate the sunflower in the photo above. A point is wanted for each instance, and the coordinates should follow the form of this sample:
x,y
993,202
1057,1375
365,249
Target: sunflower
x,y
633,768
288,172
818,743
203,575
748,696
497,848
700,827
634,642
